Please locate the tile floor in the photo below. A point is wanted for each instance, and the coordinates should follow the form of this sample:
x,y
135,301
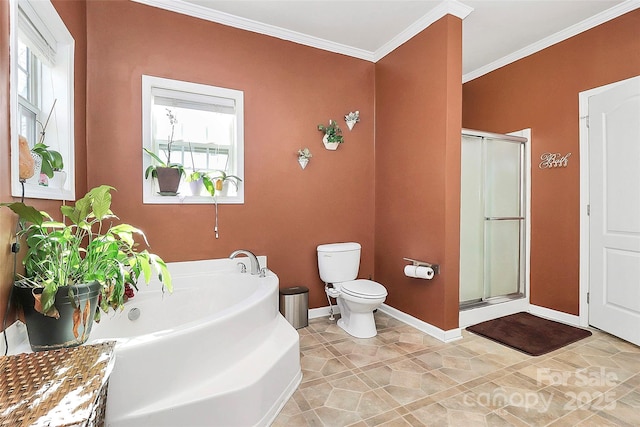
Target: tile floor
x,y
403,377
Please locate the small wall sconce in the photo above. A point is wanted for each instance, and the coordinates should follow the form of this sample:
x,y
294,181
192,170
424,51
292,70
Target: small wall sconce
x,y
352,118
303,157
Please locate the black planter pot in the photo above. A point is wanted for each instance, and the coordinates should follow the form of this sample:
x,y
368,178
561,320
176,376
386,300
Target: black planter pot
x,y
48,333
168,180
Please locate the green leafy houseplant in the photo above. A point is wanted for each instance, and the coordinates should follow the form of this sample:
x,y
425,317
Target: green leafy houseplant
x,y
333,133
167,173
51,159
223,177
152,171
90,248
206,181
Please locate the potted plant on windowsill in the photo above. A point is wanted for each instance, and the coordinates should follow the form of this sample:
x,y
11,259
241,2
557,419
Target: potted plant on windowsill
x,y
75,270
222,182
332,135
198,180
166,173
51,165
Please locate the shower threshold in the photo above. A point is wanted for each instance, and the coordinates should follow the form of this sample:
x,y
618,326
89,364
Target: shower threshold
x,y
471,304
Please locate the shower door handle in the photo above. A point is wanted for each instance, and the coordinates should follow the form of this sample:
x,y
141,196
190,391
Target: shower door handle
x,y
503,218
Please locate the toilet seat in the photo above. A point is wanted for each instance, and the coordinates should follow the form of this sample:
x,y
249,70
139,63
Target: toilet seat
x,y
363,288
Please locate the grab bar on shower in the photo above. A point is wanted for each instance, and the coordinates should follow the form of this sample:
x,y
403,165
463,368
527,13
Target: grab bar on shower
x,y
503,218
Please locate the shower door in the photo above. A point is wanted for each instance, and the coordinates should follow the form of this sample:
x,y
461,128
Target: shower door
x,y
492,222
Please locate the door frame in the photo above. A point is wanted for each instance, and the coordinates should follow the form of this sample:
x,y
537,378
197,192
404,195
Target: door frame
x,y
583,116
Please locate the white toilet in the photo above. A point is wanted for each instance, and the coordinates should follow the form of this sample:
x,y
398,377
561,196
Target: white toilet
x,y
338,264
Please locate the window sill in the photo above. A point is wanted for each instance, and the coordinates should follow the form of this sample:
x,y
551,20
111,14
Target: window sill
x,y
191,200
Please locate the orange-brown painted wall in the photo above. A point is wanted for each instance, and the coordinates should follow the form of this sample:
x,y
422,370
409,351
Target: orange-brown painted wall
x,y
74,17
7,219
541,92
418,122
288,90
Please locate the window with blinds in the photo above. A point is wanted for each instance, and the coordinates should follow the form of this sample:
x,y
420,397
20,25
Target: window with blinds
x,y
199,127
41,53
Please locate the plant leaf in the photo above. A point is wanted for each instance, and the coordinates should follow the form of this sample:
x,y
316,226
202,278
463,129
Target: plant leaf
x,y
47,300
26,213
101,201
155,157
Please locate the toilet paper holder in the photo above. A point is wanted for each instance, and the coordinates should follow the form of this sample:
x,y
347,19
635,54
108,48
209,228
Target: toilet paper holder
x,y
435,267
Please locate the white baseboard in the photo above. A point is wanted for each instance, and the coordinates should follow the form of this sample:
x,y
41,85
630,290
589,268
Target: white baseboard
x,y
466,319
322,311
444,336
558,316
427,328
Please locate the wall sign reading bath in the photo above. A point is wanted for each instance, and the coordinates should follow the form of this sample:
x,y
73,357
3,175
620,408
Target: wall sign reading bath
x,y
554,160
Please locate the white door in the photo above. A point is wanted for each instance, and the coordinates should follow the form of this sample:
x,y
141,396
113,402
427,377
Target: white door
x,y
614,197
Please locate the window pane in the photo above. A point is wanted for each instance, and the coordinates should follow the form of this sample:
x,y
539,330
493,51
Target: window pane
x,y
22,55
194,126
201,139
23,84
27,124
200,160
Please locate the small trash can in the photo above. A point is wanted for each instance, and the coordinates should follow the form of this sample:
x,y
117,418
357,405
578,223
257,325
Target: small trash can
x,y
294,305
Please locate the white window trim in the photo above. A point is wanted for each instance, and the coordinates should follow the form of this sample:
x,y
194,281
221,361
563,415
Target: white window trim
x,y
65,48
149,82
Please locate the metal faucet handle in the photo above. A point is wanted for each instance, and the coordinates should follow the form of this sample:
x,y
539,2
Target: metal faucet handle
x,y
243,268
255,264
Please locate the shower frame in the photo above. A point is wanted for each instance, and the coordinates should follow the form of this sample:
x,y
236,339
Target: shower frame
x,y
521,291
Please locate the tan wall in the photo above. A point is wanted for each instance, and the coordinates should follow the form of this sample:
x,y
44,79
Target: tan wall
x,y
7,220
418,121
288,89
541,92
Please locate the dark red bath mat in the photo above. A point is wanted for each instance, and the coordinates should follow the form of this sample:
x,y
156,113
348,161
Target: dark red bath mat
x,y
528,333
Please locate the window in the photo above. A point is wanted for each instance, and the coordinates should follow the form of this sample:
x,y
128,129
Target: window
x,y
41,89
203,127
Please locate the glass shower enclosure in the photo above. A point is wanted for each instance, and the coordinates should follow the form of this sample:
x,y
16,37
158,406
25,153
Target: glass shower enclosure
x,y
492,219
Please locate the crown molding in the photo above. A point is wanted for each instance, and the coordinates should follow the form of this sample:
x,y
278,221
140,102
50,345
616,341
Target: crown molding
x,y
452,7
223,18
446,7
558,37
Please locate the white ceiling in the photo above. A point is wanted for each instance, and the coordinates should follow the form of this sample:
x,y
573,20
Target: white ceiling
x,y
495,32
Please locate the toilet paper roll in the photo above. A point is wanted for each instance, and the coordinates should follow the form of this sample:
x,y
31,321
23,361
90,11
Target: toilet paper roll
x,y
410,270
419,272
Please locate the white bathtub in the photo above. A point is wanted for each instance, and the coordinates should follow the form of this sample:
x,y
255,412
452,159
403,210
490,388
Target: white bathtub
x,y
215,352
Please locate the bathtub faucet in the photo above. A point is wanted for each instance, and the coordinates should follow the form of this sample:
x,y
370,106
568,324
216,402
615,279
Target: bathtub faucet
x,y
255,265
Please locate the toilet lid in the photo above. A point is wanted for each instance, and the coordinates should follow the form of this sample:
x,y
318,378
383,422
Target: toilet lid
x,y
364,288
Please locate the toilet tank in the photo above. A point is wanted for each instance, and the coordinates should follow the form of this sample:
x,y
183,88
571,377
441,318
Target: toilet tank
x,y
338,262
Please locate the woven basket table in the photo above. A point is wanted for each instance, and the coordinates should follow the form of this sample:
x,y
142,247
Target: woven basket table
x,y
66,387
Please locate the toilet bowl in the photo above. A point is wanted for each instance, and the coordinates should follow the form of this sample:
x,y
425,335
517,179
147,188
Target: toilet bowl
x,y
357,298
356,307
